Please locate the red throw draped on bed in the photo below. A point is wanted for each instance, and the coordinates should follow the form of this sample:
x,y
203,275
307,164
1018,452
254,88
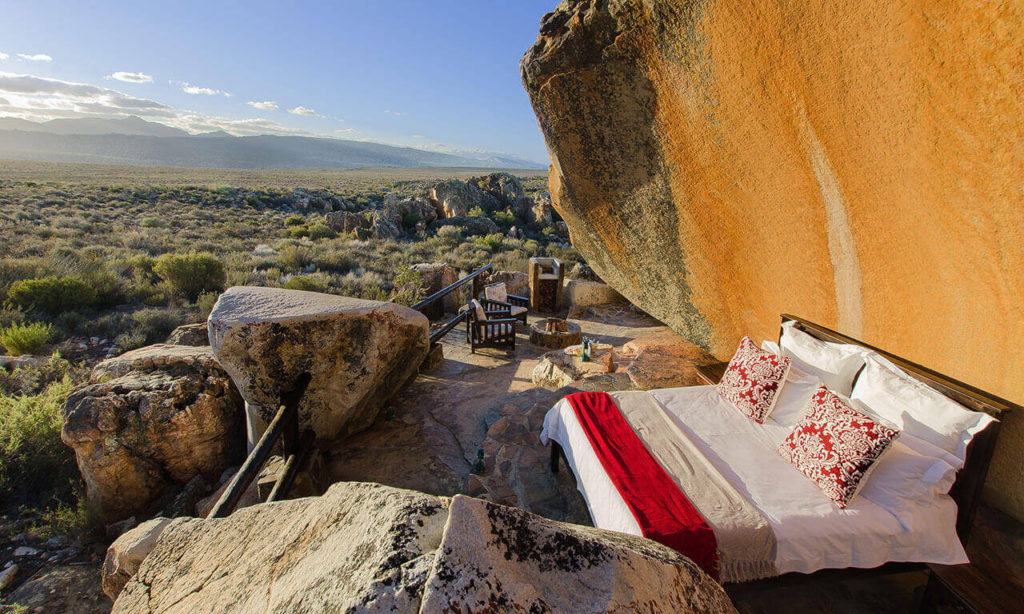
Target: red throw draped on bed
x,y
661,509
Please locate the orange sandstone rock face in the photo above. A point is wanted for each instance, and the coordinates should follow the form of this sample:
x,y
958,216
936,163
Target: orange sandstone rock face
x,y
859,164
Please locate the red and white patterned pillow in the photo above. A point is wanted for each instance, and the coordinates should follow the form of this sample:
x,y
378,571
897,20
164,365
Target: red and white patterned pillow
x,y
753,379
836,445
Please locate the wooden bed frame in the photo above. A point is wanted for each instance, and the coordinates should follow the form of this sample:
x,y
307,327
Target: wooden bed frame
x,y
966,490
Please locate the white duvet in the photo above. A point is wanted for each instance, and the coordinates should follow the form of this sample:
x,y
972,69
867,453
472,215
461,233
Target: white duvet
x,y
811,532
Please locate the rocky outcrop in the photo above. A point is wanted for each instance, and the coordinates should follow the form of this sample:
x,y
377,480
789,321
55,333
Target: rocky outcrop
x,y
371,548
720,163
346,221
508,189
189,334
454,198
400,210
359,353
437,276
151,419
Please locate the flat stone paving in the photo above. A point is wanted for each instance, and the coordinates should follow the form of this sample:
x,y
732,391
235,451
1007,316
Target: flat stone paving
x,y
431,434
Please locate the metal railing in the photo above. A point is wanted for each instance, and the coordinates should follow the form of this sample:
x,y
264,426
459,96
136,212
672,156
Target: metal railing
x,y
473,277
285,428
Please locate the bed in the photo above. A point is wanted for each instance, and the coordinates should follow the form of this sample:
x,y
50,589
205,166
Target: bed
x,y
808,533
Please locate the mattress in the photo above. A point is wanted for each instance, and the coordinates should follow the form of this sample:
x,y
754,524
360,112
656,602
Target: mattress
x,y
811,532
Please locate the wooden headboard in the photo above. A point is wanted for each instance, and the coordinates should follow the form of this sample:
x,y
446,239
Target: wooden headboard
x,y
966,491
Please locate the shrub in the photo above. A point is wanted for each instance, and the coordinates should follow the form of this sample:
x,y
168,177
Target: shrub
x,y
35,466
21,339
491,242
309,284
295,220
154,324
51,295
449,233
410,219
298,232
192,274
503,217
476,211
408,287
320,230
205,303
294,258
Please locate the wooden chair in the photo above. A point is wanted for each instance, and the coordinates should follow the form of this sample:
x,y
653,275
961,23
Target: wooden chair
x,y
494,328
496,297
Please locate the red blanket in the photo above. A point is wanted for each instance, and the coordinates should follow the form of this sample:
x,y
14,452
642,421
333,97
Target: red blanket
x,y
661,509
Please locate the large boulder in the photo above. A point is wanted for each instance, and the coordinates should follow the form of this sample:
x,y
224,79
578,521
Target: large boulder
x,y
152,419
436,277
359,354
581,293
454,198
721,163
360,547
371,548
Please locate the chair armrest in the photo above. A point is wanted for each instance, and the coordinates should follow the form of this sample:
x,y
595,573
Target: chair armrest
x,y
522,299
495,321
496,312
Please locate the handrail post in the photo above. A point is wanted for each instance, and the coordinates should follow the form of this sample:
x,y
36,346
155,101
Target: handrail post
x,y
286,415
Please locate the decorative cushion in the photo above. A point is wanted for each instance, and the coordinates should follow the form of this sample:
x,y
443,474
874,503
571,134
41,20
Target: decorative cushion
x,y
518,310
753,379
481,315
496,292
836,446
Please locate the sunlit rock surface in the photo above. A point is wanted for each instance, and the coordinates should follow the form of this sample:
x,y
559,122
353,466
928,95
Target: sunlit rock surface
x,y
857,164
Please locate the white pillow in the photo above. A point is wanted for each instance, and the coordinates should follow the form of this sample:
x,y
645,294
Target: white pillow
x,y
835,364
771,346
908,475
794,396
916,409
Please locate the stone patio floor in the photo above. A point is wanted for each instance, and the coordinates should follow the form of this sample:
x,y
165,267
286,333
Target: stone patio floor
x,y
435,426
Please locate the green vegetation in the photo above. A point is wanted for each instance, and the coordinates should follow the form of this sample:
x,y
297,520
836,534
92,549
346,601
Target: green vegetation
x,y
51,295
192,274
36,469
21,339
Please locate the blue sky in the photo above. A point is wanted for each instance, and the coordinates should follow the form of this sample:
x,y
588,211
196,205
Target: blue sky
x,y
432,74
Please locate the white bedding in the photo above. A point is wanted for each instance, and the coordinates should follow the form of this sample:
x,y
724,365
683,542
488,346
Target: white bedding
x,y
812,533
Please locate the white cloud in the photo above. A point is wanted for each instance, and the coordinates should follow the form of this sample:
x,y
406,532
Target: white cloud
x,y
266,105
43,93
301,110
344,130
131,77
38,57
418,136
195,90
3,56
387,112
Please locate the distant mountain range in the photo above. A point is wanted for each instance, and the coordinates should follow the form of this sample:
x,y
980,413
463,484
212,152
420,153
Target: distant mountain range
x,y
136,141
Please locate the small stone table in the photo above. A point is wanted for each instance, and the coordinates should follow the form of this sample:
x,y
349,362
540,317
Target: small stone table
x,y
556,340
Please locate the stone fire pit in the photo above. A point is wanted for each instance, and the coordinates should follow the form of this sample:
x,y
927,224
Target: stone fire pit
x,y
540,335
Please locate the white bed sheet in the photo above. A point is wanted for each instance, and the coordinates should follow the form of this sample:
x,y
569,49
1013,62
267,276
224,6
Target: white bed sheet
x,y
812,533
